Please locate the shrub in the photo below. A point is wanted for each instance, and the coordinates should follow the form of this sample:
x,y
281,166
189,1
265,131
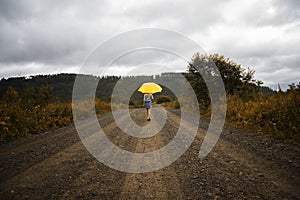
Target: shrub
x,y
277,115
27,116
163,99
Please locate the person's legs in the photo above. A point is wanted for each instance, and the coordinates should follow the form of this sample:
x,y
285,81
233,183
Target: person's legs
x,y
148,113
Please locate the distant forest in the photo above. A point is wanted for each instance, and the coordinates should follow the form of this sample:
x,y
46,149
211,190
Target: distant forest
x,y
62,85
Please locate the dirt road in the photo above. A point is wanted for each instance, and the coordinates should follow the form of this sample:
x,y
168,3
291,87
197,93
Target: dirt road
x,y
243,165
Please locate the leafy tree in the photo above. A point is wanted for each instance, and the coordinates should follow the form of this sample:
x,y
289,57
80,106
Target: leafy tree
x,y
236,79
11,95
45,94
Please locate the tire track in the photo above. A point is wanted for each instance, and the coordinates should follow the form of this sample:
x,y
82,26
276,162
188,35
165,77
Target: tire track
x,y
14,160
58,173
234,171
269,177
161,184
108,181
47,137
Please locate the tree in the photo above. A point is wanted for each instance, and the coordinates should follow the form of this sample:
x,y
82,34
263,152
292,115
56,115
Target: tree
x,y
11,95
45,94
236,79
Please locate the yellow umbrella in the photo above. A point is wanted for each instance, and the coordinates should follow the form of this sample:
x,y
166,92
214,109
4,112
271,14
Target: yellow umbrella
x,y
150,88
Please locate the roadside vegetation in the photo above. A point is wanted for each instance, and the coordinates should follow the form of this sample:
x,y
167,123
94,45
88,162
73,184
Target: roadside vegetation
x,y
276,115
36,112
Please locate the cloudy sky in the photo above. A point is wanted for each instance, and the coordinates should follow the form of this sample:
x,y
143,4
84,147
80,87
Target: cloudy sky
x,y
46,37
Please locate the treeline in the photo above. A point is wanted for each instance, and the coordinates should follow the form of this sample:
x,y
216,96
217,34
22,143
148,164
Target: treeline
x,y
62,85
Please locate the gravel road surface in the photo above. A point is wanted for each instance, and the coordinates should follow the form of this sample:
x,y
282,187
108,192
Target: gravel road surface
x,y
242,165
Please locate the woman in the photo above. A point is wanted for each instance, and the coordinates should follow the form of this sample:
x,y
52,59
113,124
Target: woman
x,y
148,104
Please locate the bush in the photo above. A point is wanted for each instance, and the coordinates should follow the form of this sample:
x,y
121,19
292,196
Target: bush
x,y
163,99
22,117
277,115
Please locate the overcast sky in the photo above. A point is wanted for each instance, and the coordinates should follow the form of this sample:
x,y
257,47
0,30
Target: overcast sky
x,y
46,37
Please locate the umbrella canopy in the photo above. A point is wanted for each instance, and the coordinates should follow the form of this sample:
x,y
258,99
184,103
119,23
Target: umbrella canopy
x,y
150,88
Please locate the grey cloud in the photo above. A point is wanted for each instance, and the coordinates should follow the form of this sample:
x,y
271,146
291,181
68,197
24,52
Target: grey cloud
x,y
185,16
267,13
48,32
284,12
28,69
14,10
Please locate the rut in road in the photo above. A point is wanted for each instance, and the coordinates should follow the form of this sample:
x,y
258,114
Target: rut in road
x,y
56,165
